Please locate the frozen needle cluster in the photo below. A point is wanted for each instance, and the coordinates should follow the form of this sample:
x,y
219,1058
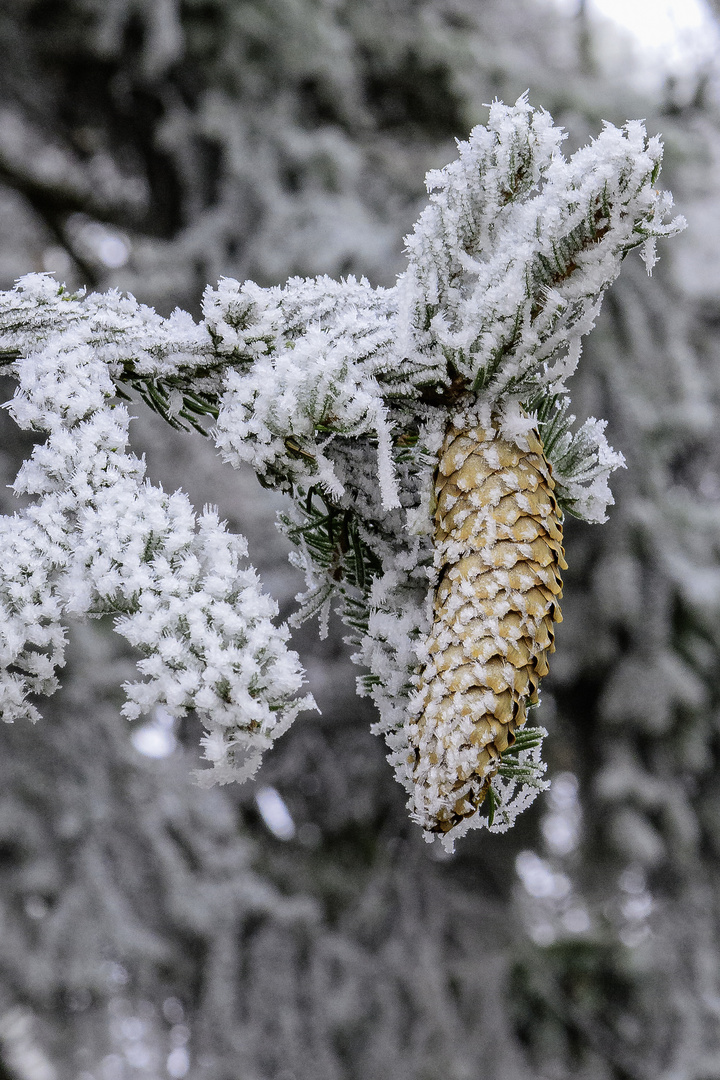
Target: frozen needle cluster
x,y
340,395
98,539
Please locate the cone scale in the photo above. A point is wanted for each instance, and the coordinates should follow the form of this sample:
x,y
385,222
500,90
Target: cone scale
x,y
498,552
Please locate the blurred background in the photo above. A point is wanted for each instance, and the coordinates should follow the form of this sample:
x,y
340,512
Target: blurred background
x,y
298,928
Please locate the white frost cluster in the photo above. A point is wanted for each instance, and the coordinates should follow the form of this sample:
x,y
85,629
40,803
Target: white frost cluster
x,y
100,539
117,328
510,261
287,398
337,393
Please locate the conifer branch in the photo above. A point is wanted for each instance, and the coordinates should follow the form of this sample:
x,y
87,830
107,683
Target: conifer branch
x,y
343,396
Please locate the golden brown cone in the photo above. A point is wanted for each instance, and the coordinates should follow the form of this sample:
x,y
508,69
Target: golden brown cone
x,y
498,548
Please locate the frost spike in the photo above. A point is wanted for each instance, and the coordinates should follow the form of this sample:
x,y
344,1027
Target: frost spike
x,y
498,549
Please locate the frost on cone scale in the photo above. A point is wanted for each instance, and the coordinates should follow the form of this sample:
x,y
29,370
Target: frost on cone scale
x,y
498,549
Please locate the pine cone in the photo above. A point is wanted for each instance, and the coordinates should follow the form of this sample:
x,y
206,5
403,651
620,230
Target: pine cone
x,y
498,545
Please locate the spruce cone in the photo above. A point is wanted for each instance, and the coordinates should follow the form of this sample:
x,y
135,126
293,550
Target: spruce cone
x,y
498,544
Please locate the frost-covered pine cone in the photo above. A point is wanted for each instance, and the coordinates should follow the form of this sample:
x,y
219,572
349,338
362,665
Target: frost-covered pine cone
x,y
498,548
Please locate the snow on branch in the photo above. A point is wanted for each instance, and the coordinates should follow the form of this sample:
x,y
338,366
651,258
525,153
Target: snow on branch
x,y
101,540
339,394
509,262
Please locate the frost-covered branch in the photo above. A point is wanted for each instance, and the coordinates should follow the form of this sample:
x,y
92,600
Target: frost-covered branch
x,y
338,394
101,540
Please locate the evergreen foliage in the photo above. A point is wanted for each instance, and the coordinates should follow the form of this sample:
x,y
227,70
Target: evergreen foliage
x,y
507,269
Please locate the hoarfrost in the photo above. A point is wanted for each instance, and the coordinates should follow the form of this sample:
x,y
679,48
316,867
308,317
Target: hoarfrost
x,y
337,393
